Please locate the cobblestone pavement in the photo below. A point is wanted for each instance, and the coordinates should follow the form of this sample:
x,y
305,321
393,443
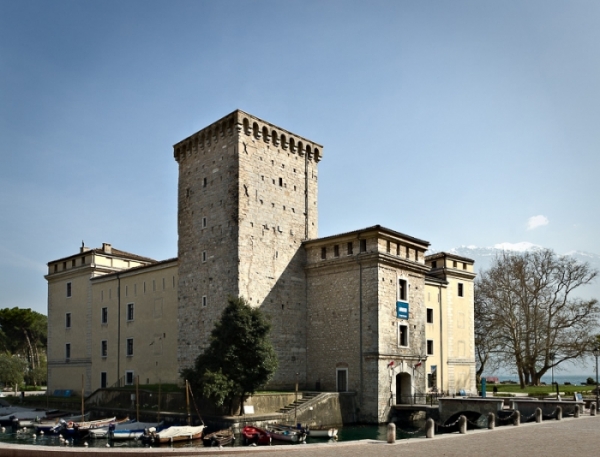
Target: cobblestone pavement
x,y
569,437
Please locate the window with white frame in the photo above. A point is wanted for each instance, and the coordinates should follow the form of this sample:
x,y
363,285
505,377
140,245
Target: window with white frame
x,y
69,289
104,316
104,348
130,311
430,315
402,335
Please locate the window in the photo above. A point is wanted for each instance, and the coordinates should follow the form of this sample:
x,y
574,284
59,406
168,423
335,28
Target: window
x,y
83,261
388,247
429,347
68,320
104,316
342,379
363,245
104,348
129,378
434,264
280,182
68,351
204,300
403,335
350,252
454,264
130,311
68,289
464,266
103,383
73,263
203,222
204,182
460,289
430,315
204,256
323,253
402,290
336,250
129,352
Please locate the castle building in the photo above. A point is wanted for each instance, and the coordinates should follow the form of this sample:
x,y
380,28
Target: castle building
x,y
365,311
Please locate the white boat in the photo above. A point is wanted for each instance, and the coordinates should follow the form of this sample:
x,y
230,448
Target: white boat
x,y
173,434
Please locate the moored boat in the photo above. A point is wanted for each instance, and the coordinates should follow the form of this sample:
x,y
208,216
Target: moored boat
x,y
219,438
132,430
286,433
255,435
173,434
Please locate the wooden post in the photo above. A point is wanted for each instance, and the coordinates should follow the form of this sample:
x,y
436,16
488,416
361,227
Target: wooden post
x,y
137,398
391,433
187,402
82,397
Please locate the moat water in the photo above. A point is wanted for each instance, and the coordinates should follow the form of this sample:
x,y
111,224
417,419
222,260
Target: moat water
x,y
347,433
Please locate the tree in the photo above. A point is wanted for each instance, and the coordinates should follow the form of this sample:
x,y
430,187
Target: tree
x,y
12,369
24,332
527,311
240,358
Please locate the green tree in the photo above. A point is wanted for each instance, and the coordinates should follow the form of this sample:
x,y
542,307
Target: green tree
x,y
24,333
240,358
529,314
12,370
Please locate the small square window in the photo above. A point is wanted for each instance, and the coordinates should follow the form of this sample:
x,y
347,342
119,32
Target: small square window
x,y
363,245
130,311
336,250
69,289
388,247
68,320
129,352
430,315
104,316
429,347
73,263
434,264
323,253
464,266
454,264
83,261
350,248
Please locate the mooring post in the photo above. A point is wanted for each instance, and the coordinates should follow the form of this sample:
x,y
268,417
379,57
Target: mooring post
x,y
538,415
577,412
517,418
593,407
430,428
391,433
559,413
491,421
462,424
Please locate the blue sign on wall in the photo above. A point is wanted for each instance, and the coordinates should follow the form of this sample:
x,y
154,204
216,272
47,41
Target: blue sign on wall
x,y
402,310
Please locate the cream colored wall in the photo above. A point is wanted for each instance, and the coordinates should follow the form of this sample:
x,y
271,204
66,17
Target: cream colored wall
x,y
153,293
433,295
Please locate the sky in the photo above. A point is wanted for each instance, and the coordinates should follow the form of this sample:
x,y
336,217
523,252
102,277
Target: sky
x,y
460,123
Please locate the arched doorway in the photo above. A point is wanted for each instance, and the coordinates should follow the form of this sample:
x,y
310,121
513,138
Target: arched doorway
x,y
403,389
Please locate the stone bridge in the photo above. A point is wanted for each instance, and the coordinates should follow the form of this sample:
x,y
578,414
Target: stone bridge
x,y
471,407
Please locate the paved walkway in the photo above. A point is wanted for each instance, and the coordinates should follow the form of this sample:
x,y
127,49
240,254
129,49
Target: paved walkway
x,y
569,437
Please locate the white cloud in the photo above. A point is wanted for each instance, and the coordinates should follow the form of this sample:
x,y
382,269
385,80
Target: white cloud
x,y
537,221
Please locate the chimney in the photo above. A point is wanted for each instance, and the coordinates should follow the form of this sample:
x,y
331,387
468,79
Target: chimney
x,y
106,248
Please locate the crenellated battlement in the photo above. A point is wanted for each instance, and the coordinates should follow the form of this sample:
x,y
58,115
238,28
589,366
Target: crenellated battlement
x,y
239,122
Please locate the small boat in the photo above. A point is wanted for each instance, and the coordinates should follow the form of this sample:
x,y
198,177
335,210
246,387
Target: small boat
x,y
255,435
286,433
220,438
53,426
132,430
102,431
322,432
173,434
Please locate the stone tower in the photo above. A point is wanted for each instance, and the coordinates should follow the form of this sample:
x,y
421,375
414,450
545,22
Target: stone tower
x,y
247,199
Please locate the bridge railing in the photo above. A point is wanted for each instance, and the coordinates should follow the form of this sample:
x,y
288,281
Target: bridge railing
x,y
429,398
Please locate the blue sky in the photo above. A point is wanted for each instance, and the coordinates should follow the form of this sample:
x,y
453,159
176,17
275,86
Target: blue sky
x,y
461,123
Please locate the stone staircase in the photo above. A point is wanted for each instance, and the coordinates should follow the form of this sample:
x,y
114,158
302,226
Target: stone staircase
x,y
306,397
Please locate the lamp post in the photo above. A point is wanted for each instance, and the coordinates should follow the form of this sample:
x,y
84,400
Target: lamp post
x,y
596,352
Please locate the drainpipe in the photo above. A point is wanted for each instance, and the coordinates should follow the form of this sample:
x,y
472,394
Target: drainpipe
x,y
360,328
305,195
442,365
